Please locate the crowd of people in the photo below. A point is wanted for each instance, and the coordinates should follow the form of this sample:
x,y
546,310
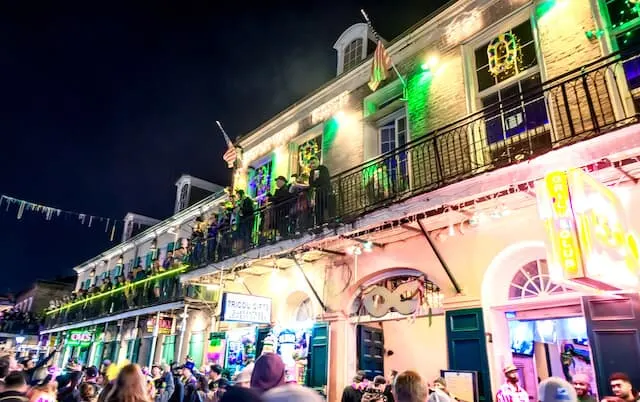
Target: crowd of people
x,y
15,320
294,206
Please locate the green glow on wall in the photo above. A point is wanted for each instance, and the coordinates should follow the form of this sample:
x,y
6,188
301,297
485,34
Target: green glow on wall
x,y
417,101
544,7
329,133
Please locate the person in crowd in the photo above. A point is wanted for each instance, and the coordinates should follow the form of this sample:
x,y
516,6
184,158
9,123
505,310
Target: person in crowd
x,y
375,390
440,392
159,384
239,394
202,389
178,387
88,393
5,364
91,375
622,388
280,206
217,381
582,385
190,384
554,389
15,388
511,391
69,382
130,386
268,372
291,393
43,388
353,392
31,366
387,389
408,386
320,182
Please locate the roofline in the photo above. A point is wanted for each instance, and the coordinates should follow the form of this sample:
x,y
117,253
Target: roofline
x,y
152,232
394,46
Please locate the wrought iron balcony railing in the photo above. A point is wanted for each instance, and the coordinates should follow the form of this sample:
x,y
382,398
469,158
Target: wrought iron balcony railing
x,y
583,103
160,288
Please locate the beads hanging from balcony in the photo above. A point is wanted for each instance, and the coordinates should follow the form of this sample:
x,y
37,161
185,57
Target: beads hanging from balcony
x,y
502,53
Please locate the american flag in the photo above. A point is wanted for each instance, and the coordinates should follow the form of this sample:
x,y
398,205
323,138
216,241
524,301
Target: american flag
x,y
231,155
379,67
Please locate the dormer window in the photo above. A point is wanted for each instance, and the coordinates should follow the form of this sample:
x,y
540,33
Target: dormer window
x,y
352,54
353,46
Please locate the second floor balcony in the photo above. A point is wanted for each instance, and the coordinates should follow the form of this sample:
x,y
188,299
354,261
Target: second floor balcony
x,y
149,290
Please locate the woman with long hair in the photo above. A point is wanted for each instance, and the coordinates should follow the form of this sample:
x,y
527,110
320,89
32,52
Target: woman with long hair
x,y
130,386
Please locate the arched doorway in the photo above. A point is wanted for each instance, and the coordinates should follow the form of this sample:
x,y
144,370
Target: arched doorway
x,y
534,323
397,323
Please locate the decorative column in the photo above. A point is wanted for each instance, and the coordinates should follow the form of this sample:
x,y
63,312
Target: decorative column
x,y
183,329
154,339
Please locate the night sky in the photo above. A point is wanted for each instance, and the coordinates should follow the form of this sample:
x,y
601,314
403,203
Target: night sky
x,y
101,115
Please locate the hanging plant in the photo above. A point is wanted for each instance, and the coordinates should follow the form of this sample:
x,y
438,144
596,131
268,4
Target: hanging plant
x,y
502,53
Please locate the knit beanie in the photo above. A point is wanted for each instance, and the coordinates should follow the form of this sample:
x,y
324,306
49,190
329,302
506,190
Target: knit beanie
x,y
554,389
268,372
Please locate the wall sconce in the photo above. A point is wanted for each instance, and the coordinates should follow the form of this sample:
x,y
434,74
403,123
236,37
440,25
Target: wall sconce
x,y
92,273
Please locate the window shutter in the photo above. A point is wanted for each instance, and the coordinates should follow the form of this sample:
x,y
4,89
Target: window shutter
x,y
170,246
293,158
149,258
318,356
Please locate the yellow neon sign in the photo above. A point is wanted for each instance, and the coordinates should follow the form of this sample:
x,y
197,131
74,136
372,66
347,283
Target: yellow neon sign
x,y
589,240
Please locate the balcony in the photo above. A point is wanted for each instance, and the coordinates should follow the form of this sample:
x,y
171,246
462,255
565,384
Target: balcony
x,y
159,289
584,103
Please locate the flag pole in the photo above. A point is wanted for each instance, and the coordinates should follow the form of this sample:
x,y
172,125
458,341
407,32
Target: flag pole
x,y
377,36
229,144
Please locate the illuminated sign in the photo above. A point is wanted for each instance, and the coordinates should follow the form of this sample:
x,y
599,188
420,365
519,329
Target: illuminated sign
x,y
164,326
79,338
589,241
246,308
330,108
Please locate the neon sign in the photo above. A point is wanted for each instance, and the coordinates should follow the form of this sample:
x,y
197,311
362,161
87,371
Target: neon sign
x,y
589,241
79,338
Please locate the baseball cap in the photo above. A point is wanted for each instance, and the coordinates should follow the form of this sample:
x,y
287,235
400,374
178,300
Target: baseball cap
x,y
556,389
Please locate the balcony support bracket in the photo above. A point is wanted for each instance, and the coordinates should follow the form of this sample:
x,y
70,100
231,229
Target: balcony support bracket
x,y
293,257
453,280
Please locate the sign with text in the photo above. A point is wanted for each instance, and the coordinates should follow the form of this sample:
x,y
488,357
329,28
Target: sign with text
x,y
589,240
246,308
79,338
164,326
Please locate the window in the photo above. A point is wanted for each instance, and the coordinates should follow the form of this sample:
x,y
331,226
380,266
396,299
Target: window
x,y
304,312
525,57
624,18
622,13
393,134
307,150
260,182
510,96
533,280
352,54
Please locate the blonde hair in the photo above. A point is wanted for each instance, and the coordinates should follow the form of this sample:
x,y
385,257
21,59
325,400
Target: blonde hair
x,y
409,387
130,386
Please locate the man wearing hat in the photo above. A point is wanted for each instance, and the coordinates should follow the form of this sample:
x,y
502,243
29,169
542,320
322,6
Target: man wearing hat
x,y
511,391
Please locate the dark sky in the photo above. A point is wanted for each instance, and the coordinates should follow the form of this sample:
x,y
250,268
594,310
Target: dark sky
x,y
101,114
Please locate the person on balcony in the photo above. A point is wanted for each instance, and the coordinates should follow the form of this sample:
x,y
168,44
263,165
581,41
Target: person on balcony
x,y
212,236
281,206
320,183
157,269
246,219
299,189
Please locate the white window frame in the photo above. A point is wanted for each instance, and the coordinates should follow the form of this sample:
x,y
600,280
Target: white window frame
x,y
259,163
352,57
394,117
313,132
474,104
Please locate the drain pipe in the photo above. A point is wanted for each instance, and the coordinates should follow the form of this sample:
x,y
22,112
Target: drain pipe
x,y
453,280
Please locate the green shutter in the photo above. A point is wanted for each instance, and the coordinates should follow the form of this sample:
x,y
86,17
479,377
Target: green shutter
x,y
168,349
97,356
148,260
318,356
133,350
170,246
196,348
467,348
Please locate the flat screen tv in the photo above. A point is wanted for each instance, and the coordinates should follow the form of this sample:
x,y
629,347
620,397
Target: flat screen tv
x,y
521,335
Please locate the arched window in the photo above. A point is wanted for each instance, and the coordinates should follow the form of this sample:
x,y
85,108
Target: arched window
x,y
304,311
352,54
533,280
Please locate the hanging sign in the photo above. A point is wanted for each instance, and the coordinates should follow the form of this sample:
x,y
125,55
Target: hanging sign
x,y
79,338
378,300
164,326
246,308
589,240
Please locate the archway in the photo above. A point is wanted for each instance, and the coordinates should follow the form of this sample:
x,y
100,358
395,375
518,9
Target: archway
x,y
389,311
534,323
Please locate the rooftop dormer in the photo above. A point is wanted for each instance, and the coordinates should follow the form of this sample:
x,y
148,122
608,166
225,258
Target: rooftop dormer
x,y
353,46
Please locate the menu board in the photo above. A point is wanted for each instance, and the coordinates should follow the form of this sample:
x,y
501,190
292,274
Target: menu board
x,y
463,385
